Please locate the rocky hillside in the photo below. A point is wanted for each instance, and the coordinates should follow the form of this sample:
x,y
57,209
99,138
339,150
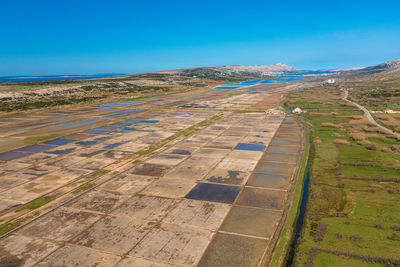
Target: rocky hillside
x,y
261,69
390,65
226,72
384,70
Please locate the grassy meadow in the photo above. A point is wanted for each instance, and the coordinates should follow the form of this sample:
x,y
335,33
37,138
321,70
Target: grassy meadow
x,y
353,211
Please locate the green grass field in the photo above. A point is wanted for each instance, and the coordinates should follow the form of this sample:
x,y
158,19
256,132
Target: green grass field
x,y
353,211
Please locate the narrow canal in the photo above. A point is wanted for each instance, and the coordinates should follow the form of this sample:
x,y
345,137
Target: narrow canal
x,y
302,211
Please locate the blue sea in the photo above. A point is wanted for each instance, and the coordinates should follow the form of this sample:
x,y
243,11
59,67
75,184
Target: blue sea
x,y
55,77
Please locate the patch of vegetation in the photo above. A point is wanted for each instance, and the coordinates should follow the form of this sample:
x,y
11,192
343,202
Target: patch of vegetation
x,y
37,203
11,225
330,259
38,139
44,102
93,176
218,75
99,172
84,187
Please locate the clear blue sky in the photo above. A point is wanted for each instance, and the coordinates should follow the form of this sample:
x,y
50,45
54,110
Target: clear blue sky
x,y
87,37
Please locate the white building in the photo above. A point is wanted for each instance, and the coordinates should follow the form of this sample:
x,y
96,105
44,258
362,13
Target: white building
x,y
298,110
391,110
330,81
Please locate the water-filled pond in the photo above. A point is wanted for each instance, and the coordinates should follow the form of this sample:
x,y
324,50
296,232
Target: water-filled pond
x,y
279,79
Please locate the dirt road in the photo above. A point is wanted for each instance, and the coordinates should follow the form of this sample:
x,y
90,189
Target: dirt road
x,y
369,116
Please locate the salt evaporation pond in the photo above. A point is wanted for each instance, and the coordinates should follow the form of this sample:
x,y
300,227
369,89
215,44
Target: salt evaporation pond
x,y
279,79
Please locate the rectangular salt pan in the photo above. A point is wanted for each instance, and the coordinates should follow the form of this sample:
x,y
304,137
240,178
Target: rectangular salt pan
x,y
60,141
250,147
34,148
76,123
125,113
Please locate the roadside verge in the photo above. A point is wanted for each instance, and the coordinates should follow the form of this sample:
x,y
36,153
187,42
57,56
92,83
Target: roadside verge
x,y
279,253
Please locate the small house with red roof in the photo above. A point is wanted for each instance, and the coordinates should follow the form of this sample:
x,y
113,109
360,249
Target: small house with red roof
x,y
391,110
